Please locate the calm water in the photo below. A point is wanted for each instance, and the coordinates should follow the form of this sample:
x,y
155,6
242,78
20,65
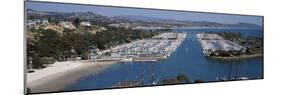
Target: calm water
x,y
187,59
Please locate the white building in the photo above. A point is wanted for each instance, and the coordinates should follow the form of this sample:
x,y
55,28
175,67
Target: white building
x,y
45,22
68,25
115,55
85,24
93,52
30,23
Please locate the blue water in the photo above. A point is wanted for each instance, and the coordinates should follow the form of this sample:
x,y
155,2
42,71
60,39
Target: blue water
x,y
187,59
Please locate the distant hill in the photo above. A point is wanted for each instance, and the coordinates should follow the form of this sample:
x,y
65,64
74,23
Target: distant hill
x,y
246,25
128,18
137,20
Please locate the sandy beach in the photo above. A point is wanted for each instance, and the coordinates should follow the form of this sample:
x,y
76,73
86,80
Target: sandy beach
x,y
56,76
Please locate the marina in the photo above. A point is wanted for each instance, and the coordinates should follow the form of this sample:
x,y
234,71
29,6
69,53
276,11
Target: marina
x,y
159,47
215,45
76,47
187,59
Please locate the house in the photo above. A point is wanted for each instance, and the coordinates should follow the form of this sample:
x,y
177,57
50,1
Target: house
x,y
93,52
30,23
68,25
85,24
115,55
34,22
45,22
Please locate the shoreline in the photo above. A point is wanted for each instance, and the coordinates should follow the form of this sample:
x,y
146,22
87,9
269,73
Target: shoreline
x,y
55,78
236,57
60,74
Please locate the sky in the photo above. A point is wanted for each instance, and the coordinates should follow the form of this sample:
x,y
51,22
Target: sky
x,y
117,11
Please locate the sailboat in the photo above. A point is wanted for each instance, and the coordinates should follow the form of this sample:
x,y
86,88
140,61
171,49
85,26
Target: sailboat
x,y
155,82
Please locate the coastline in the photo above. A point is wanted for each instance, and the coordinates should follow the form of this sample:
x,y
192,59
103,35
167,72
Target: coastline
x,y
56,77
237,57
60,74
156,58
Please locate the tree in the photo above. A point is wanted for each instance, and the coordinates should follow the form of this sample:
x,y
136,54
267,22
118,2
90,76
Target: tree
x,y
85,55
183,78
53,20
49,44
77,21
36,61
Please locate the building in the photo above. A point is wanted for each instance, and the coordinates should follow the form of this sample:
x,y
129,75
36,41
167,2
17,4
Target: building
x,y
85,24
68,25
30,23
115,55
45,22
34,22
93,51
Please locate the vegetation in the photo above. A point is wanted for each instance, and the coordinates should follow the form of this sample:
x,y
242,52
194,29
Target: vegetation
x,y
44,46
76,22
115,36
179,79
254,45
199,81
53,20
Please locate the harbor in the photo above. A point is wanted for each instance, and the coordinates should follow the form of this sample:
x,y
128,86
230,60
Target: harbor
x,y
187,59
156,48
80,47
215,45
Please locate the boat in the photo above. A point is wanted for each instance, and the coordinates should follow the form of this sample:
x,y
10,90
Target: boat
x,y
127,59
222,78
155,82
242,78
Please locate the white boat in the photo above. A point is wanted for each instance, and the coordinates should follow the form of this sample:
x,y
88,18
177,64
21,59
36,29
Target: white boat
x,y
127,59
155,82
242,78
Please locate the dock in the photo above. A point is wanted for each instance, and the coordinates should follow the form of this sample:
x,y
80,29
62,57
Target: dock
x,y
215,45
156,48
